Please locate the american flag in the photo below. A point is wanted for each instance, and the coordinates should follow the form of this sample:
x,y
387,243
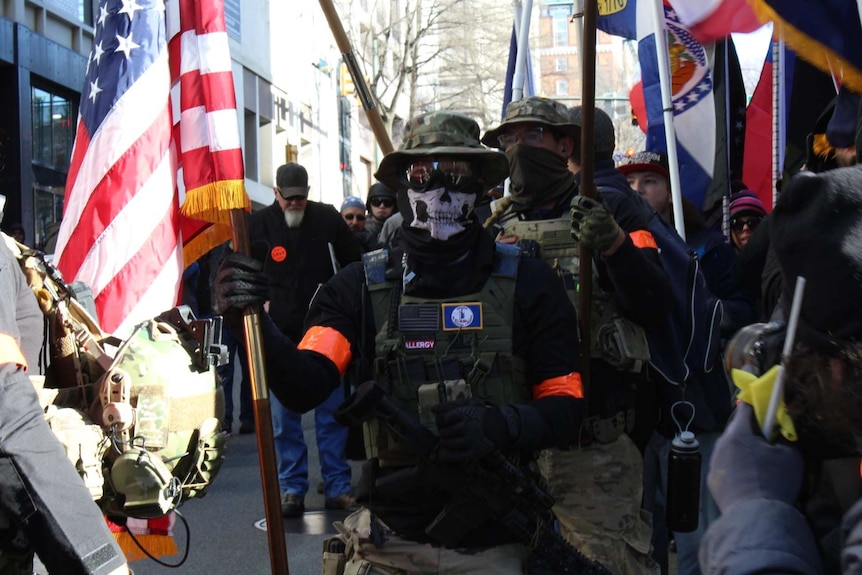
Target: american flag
x,y
121,228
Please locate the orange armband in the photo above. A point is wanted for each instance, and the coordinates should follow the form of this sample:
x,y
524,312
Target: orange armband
x,y
568,385
643,239
330,343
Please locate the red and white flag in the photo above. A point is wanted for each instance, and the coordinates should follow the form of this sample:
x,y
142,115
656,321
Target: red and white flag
x,y
121,228
711,20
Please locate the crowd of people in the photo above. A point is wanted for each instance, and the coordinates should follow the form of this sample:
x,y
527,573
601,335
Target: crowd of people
x,y
440,307
503,373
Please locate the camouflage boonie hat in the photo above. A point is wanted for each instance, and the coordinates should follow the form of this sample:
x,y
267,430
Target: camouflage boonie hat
x,y
443,133
534,109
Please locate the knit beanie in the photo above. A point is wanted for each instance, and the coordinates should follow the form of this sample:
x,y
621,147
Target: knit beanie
x,y
746,202
816,232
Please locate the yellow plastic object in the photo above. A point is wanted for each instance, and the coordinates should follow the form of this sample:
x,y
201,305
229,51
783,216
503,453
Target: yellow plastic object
x,y
756,392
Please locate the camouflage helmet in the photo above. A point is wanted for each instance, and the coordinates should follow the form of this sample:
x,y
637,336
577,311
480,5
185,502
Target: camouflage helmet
x,y
604,138
174,405
534,109
443,133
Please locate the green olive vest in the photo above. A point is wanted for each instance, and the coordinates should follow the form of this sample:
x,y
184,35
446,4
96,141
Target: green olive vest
x,y
429,351
614,339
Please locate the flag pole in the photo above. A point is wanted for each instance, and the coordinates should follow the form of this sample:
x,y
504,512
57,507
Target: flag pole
x,y
521,59
262,412
362,89
662,53
587,187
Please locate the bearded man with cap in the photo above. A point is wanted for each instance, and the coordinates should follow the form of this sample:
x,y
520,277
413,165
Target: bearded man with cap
x,y
597,485
474,341
763,488
292,239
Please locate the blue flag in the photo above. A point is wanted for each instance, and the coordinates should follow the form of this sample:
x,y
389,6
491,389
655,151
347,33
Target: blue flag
x,y
529,89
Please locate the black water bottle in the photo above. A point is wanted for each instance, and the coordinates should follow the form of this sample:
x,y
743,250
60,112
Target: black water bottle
x,y
683,483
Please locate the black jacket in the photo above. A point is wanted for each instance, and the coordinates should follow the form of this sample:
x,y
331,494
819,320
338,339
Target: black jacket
x,y
298,260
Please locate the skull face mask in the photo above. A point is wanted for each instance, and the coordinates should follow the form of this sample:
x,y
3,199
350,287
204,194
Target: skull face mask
x,y
441,212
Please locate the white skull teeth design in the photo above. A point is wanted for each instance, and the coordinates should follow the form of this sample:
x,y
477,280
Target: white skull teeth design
x,y
442,213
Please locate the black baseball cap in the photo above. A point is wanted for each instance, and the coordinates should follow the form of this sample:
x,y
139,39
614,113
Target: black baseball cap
x,y
292,180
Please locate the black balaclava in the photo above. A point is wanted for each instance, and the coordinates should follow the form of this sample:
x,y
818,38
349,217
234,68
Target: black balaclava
x,y
538,175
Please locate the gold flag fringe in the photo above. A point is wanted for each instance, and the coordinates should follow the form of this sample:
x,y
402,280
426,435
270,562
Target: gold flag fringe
x,y
212,202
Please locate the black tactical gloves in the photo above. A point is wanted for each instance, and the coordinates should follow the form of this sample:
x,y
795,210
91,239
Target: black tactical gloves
x,y
593,225
471,429
239,283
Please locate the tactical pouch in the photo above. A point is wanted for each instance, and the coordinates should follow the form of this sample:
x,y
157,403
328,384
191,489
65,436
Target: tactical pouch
x,y
623,344
334,556
606,430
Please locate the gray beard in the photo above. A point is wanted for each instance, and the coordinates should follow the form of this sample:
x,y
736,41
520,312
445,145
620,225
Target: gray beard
x,y
293,218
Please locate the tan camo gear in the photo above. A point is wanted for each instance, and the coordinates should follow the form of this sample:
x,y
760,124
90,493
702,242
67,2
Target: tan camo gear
x,y
598,491
172,405
615,339
398,556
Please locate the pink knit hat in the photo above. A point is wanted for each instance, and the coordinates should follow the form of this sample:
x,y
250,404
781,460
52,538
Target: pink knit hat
x,y
746,202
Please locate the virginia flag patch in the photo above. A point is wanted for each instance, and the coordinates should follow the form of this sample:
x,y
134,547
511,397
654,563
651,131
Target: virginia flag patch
x,y
462,316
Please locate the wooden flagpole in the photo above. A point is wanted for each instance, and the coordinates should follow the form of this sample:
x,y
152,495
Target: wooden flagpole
x,y
362,89
587,187
262,413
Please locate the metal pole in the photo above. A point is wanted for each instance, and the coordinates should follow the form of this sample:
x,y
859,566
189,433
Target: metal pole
x,y
662,54
781,115
578,20
521,60
262,413
362,89
587,188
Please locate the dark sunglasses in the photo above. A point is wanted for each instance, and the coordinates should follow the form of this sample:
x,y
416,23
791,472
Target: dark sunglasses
x,y
454,175
738,224
357,217
384,202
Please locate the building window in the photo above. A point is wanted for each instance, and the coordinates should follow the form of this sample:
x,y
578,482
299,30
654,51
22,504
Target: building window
x,y
561,31
561,64
251,157
562,87
53,129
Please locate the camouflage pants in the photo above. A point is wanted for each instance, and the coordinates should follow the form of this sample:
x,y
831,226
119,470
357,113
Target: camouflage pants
x,y
399,556
598,490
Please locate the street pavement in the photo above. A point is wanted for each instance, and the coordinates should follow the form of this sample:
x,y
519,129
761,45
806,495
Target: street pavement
x,y
226,534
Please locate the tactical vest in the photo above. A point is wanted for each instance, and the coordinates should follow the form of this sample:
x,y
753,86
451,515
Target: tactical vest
x,y
615,339
429,351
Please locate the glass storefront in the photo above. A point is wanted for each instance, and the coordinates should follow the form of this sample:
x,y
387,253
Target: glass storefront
x,y
53,125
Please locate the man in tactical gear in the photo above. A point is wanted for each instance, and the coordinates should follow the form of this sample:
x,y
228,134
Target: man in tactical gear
x,y
44,505
468,338
598,487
